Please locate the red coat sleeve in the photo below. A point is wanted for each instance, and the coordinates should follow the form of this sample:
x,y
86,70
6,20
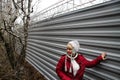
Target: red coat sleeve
x,y
60,69
92,63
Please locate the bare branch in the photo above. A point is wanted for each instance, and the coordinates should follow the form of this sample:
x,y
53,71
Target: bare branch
x,y
31,10
14,19
14,4
29,5
22,7
12,33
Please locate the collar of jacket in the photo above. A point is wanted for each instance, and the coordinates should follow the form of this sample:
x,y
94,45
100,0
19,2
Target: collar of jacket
x,y
69,57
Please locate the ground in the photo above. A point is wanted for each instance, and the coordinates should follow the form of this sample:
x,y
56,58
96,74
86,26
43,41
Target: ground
x,y
6,72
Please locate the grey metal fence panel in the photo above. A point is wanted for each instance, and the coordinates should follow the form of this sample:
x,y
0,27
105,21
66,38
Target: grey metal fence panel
x,y
97,28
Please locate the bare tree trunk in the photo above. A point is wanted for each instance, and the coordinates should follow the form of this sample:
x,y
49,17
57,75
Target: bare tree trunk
x,y
14,10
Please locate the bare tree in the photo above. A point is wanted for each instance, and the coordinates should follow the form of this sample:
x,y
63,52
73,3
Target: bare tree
x,y
14,29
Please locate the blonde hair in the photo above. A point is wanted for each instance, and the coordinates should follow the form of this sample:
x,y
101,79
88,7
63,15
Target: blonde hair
x,y
69,46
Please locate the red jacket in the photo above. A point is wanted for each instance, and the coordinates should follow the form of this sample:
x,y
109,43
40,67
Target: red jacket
x,y
83,63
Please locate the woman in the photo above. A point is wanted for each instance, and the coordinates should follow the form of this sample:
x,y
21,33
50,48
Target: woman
x,y
71,66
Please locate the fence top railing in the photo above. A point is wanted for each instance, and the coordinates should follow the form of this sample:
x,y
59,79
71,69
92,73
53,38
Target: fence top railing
x,y
62,7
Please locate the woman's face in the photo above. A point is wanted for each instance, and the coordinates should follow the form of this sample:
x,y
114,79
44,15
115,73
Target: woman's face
x,y
69,49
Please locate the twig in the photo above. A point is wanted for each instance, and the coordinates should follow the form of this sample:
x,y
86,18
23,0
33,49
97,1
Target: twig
x,y
12,33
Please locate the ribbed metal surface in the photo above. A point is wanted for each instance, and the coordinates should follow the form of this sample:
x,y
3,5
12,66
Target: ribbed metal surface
x,y
97,29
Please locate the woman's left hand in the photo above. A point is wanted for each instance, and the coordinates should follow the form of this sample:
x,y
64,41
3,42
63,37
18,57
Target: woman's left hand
x,y
104,55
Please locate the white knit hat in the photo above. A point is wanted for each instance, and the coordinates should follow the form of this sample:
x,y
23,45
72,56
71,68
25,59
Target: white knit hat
x,y
75,45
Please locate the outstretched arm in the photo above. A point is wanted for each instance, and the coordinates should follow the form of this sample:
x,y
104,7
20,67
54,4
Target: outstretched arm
x,y
95,61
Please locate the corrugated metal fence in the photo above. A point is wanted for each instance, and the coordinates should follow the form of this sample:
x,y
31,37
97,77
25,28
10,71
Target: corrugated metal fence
x,y
97,28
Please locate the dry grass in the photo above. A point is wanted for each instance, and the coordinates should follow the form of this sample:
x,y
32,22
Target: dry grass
x,y
6,72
